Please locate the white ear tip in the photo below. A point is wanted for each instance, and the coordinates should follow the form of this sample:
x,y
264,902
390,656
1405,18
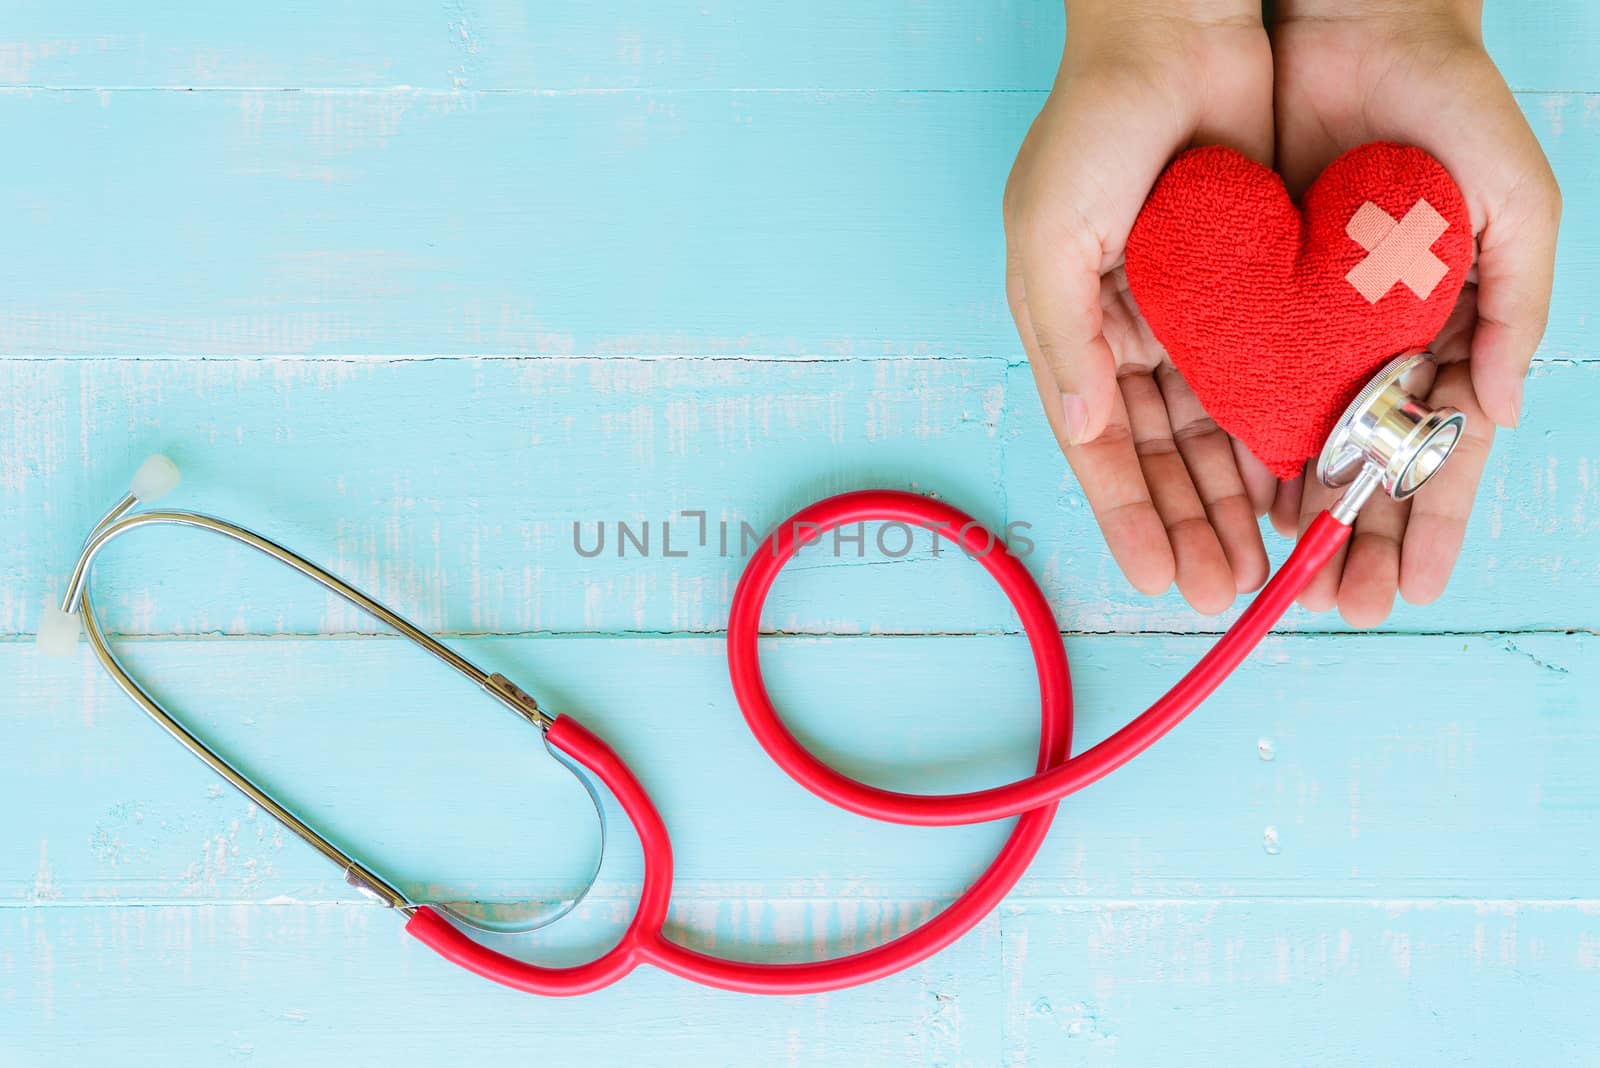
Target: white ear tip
x,y
58,632
156,477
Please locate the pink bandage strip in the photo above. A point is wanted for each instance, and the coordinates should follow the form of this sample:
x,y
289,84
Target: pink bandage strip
x,y
1397,251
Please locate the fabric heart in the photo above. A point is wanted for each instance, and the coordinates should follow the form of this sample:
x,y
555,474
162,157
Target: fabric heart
x,y
1277,315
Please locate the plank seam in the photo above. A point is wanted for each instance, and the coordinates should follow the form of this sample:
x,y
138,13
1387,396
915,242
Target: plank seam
x,y
757,359
29,88
19,637
364,359
1016,902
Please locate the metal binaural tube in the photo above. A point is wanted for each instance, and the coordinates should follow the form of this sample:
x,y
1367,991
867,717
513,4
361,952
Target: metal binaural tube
x,y
356,874
78,603
117,522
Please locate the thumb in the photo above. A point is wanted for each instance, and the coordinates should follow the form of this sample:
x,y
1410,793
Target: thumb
x,y
1054,293
1516,270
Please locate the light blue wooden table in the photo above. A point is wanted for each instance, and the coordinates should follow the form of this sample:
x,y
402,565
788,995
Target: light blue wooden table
x,y
417,286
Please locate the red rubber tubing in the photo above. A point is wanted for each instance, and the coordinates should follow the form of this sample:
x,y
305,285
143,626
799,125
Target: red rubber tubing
x,y
450,942
1315,548
1033,799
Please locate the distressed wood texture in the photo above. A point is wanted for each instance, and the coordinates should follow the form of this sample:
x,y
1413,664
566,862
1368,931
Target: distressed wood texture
x,y
1361,800
658,44
451,488
1157,983
1281,860
860,223
416,287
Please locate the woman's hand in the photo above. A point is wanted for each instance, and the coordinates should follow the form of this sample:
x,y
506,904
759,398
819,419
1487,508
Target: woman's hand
x,y
1417,73
1140,80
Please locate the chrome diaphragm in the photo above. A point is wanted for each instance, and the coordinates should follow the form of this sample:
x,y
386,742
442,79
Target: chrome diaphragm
x,y
1387,437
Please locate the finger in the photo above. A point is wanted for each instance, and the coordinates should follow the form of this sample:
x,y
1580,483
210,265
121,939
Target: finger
x,y
1372,563
1323,591
1200,566
1259,483
1106,466
1285,512
1208,455
1516,269
1053,266
1043,375
1439,510
1108,472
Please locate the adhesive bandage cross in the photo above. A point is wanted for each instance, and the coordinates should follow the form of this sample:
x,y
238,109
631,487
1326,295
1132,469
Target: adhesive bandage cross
x,y
1396,251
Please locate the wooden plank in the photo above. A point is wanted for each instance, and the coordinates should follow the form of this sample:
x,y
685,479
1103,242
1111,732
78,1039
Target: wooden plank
x,y
249,223
485,468
659,44
1247,983
1305,983
562,44
451,490
1436,767
293,985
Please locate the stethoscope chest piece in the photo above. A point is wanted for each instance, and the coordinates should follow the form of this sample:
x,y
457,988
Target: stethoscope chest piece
x,y
1388,437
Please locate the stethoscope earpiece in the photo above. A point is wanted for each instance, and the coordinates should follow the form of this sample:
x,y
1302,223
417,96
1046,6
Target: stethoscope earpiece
x,y
1388,438
156,477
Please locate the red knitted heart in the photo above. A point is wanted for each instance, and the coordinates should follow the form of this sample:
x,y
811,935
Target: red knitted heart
x,y
1277,318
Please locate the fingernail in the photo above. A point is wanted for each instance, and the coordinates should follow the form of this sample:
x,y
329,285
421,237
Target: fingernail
x,y
1516,405
1076,415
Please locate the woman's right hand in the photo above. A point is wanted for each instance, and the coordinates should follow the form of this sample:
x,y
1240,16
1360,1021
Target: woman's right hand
x,y
1140,80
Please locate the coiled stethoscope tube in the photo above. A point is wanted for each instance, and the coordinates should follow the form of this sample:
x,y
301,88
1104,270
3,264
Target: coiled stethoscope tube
x,y
1386,439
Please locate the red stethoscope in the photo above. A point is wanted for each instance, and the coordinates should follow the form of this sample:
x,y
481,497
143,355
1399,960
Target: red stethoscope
x,y
1386,438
